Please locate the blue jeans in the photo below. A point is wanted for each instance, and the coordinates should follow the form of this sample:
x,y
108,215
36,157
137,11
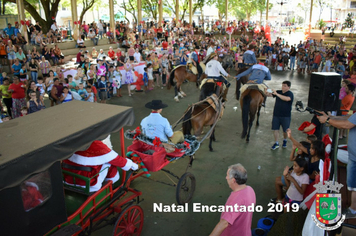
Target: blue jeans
x,y
34,76
95,40
292,62
101,34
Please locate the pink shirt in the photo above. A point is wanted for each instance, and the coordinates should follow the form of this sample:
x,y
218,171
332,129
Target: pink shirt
x,y
292,192
239,222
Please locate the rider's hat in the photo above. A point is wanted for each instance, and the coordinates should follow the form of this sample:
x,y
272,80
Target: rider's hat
x,y
156,105
212,55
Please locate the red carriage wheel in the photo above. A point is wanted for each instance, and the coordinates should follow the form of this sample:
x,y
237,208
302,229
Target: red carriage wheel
x,y
129,222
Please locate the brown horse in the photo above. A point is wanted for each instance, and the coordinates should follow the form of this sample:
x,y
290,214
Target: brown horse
x,y
202,114
250,102
180,74
242,80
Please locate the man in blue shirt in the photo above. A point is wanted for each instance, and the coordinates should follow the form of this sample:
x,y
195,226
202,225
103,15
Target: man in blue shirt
x,y
9,30
155,125
249,57
196,61
258,73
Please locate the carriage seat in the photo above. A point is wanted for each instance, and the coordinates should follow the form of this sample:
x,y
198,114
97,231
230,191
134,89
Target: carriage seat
x,y
260,87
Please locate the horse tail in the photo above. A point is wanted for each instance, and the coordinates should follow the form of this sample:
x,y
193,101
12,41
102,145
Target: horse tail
x,y
187,122
171,82
245,112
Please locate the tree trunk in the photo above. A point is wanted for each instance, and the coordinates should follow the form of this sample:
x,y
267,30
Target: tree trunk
x,y
202,14
248,16
86,6
260,16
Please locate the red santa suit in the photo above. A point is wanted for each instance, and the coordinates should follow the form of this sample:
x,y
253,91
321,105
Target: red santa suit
x,y
100,159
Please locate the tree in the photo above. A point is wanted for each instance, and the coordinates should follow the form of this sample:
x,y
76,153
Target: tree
x,y
249,7
322,4
87,5
49,7
261,6
349,22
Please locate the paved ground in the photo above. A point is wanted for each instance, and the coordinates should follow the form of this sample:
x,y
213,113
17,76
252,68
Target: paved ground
x,y
210,168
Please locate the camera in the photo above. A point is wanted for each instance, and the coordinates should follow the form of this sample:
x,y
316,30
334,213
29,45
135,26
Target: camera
x,y
300,107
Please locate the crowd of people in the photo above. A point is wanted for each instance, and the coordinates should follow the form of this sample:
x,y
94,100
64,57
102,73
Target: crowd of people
x,y
101,74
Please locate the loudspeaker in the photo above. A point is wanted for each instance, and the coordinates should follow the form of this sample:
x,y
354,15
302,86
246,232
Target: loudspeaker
x,y
324,89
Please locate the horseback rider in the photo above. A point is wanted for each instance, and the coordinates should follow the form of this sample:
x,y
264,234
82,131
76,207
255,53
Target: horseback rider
x,y
258,73
213,69
249,57
183,58
155,125
196,60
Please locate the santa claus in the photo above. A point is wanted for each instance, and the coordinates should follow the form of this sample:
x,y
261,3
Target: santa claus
x,y
99,162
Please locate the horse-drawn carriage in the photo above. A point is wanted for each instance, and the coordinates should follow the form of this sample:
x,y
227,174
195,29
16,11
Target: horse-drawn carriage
x,y
33,198
36,200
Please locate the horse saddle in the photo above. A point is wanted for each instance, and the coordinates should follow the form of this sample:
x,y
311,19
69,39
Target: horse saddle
x,y
191,68
209,80
215,103
202,65
260,87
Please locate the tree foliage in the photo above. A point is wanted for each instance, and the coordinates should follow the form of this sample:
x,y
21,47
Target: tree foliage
x,y
49,7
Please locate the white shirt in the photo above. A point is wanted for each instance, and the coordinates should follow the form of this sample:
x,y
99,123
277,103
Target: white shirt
x,y
214,68
54,27
100,26
155,125
91,35
137,56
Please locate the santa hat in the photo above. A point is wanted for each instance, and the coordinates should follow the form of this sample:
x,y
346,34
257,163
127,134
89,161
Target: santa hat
x,y
304,125
97,154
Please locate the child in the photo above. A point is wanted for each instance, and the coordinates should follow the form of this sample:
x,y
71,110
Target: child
x,y
2,77
4,117
71,84
90,97
344,84
117,81
274,59
346,75
41,86
102,89
66,95
327,67
145,79
297,181
110,90
340,69
93,89
280,181
23,111
150,76
353,77
23,74
82,93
